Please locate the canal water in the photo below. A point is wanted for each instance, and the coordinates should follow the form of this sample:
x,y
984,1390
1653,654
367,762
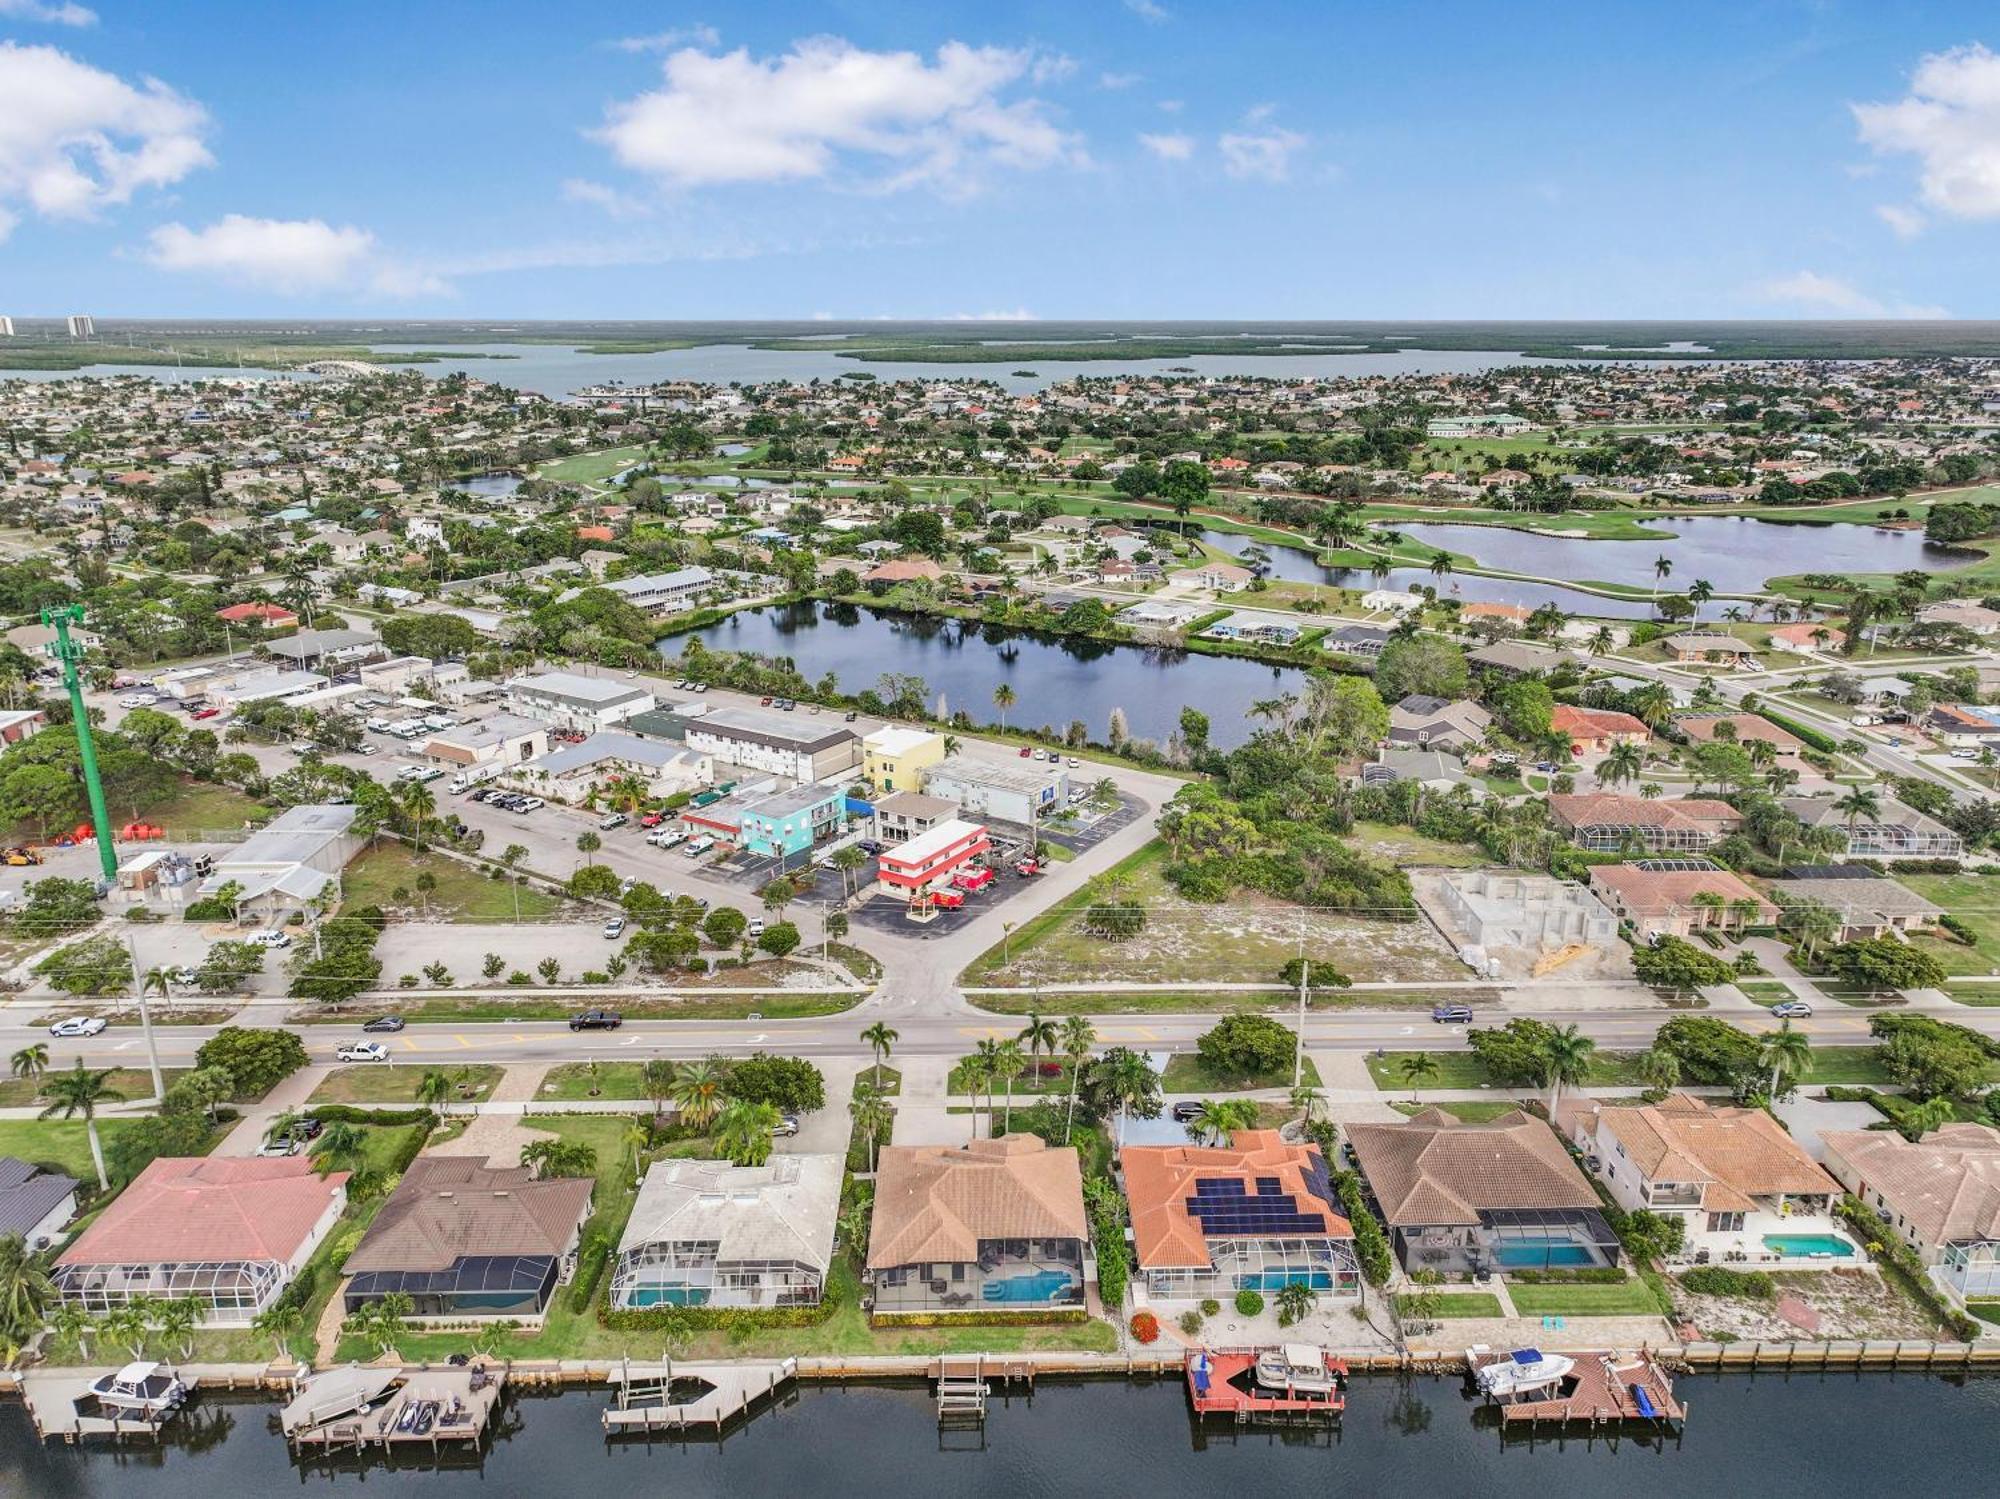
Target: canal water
x,y
1765,1435
961,662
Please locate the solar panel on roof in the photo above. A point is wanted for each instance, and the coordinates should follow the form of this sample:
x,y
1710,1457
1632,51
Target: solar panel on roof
x,y
1269,1185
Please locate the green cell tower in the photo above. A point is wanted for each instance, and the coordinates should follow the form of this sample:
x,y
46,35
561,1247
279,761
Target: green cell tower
x,y
69,653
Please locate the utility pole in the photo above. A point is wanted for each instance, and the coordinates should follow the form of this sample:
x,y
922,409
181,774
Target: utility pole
x,y
1299,1041
145,1016
69,653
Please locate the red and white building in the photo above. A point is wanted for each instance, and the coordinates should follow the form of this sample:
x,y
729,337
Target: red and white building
x,y
931,858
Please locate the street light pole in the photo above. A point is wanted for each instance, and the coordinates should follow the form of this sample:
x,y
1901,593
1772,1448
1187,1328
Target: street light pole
x,y
1299,1041
145,1017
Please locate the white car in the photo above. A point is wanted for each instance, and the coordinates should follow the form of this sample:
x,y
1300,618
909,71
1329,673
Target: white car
x,y
756,927
363,1051
137,700
182,976
79,1025
271,939
529,804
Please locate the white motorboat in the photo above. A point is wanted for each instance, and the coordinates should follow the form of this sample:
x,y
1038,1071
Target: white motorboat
x,y
1296,1368
1525,1371
149,1390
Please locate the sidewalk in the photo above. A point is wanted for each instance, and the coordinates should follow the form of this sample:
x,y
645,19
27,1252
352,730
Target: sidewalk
x,y
289,1094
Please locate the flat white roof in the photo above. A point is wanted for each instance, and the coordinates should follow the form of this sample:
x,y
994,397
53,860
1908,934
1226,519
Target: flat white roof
x,y
926,845
890,740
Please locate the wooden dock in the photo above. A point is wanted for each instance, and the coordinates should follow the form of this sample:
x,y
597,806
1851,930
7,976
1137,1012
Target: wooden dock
x,y
1604,1389
460,1402
61,1405
677,1397
1222,1382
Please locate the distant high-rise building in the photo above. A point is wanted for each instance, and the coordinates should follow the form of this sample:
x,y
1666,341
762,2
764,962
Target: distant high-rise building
x,y
81,325
6,327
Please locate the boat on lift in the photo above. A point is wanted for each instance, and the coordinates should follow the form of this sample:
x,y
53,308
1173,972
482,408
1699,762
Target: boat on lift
x,y
1526,1372
141,1389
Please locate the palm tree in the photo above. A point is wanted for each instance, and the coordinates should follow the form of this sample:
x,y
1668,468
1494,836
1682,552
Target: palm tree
x,y
847,859
1659,1069
434,1090
657,1078
176,1319
342,1147
881,1038
1007,1065
1037,1035
989,1053
1218,1119
1788,1053
281,1321
1663,568
31,1061
698,1094
1440,565
1569,1052
976,1072
128,1325
1130,1079
1078,1037
1419,1067
1307,1100
418,805
25,1288
1920,1119
1623,762
80,1091
1003,699
873,1116
1857,804
587,844
743,1131
1700,594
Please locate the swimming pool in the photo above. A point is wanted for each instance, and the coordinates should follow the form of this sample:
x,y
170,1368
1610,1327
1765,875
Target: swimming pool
x,y
1277,1280
669,1296
1542,1251
1030,1285
1796,1245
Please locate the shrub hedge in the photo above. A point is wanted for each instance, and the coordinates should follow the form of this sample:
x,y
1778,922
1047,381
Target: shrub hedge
x,y
978,1319
1720,1280
1371,1246
1596,1275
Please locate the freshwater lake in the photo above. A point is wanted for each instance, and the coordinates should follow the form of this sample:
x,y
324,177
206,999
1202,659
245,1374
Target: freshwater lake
x,y
1803,1437
962,662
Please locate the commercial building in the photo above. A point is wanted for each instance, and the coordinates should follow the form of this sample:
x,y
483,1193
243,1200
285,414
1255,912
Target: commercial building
x,y
903,815
707,1233
660,593
231,1232
287,863
932,857
808,749
1257,1214
324,648
463,1238
503,739
779,824
1020,794
572,771
1463,1198
993,1225
262,687
571,701
894,759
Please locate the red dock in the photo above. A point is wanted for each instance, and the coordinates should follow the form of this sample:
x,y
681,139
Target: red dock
x,y
1224,1382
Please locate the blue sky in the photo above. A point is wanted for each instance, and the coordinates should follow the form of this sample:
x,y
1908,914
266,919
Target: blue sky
x,y
1093,158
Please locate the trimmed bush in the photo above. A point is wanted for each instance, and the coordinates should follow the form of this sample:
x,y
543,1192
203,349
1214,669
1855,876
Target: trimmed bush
x,y
1146,1327
1371,1245
1720,1280
1249,1303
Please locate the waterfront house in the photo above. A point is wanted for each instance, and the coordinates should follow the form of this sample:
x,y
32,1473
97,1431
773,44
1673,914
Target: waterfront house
x,y
1745,1187
34,1203
993,1225
1895,831
231,1232
1218,577
708,1233
1422,722
1595,731
1862,902
1940,1195
1365,641
1961,613
1460,1197
1254,1215
463,1238
1607,823
1677,897
1434,770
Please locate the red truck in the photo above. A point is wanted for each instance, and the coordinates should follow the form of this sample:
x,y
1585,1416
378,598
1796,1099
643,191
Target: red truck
x,y
970,880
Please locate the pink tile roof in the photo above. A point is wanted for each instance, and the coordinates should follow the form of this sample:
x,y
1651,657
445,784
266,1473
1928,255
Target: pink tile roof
x,y
183,1208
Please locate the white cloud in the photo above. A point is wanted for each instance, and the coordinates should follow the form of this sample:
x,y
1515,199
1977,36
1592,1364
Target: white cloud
x,y
1950,121
1907,223
1265,157
1113,82
288,255
1169,147
1818,292
1170,106
1018,315
1149,10
52,15
798,117
1052,67
75,139
603,195
697,35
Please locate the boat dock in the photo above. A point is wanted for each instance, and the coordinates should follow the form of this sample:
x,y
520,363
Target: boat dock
x,y
676,1396
62,1404
1223,1382
1602,1389
359,1407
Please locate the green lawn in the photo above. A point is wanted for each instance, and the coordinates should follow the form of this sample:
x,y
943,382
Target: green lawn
x,y
1608,1069
1628,1299
1447,1304
886,1080
590,468
126,1082
379,1083
576,1080
193,807
60,1143
1975,900
1478,1111
1188,1073
526,1004
462,894
1029,1085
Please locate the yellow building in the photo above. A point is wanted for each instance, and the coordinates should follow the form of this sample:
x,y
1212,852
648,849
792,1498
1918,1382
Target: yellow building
x,y
895,759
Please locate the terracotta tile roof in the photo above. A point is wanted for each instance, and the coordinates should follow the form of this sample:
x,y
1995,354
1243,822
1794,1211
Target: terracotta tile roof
x,y
184,1208
1438,1169
449,1208
1657,892
1602,808
1595,722
1159,1180
936,1202
1737,1153
1749,726
1946,1185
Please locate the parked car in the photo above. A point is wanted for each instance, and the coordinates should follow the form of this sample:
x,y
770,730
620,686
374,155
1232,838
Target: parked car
x,y
870,845
1452,1014
271,939
1026,868
849,716
363,1051
596,1020
201,713
79,1025
185,977
651,819
1792,1009
529,804
1186,1111
788,1124
756,927
385,1023
614,929
612,820
1027,752
281,1145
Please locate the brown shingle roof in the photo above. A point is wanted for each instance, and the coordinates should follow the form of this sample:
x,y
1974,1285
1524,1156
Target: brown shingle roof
x,y
935,1203
449,1208
1947,1185
184,1208
1437,1169
1657,892
1159,1180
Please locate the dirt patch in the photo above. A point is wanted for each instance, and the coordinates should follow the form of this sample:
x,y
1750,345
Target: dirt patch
x,y
1846,1304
